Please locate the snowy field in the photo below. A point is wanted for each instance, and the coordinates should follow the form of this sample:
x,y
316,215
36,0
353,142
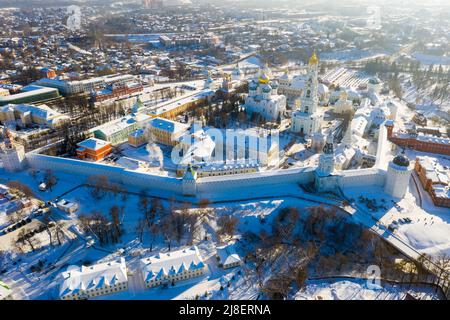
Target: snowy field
x,y
429,229
351,54
428,59
357,289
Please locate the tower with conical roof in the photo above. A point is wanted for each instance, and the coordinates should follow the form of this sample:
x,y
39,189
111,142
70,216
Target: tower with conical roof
x,y
236,74
209,81
325,180
12,154
189,182
306,120
326,159
397,176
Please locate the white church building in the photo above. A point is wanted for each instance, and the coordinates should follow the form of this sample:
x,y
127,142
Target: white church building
x,y
263,98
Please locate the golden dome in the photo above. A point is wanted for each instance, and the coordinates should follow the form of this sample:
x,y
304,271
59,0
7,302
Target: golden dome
x,y
263,79
313,59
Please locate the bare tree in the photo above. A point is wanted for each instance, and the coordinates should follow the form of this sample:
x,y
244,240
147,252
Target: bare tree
x,y
115,213
21,187
140,228
50,179
99,184
227,225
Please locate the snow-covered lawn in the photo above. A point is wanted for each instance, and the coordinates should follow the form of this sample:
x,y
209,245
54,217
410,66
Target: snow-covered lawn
x,y
429,229
344,289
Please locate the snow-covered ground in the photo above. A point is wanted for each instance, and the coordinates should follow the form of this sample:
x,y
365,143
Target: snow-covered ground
x,y
429,229
358,289
428,59
351,54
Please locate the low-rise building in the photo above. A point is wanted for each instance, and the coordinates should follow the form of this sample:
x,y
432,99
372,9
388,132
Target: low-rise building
x,y
225,168
30,94
116,131
26,114
170,267
434,174
137,138
94,149
67,206
4,92
69,87
227,256
100,279
167,131
419,141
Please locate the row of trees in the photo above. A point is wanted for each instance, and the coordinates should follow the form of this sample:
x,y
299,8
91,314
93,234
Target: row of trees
x,y
106,229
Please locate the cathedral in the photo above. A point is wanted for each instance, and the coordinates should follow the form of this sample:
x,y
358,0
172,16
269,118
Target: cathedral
x,y
306,120
263,98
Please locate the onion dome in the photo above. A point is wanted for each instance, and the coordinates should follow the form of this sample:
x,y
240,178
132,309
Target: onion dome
x,y
401,160
266,88
253,85
264,78
374,80
313,59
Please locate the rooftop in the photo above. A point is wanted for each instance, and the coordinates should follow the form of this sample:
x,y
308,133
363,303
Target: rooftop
x,y
93,144
171,263
77,279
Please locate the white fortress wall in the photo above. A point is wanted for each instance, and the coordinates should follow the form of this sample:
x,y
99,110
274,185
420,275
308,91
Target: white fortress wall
x,y
115,174
371,176
362,177
170,184
383,147
248,180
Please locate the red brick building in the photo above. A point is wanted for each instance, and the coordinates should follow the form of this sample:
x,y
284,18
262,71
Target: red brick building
x,y
47,73
116,91
94,149
435,179
419,142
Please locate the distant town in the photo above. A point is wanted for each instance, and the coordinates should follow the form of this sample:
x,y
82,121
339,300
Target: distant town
x,y
224,150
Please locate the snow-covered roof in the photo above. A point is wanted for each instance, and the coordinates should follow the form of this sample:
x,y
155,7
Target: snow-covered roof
x,y
227,254
66,204
28,91
171,263
42,111
93,144
137,133
115,126
430,138
436,169
168,125
77,279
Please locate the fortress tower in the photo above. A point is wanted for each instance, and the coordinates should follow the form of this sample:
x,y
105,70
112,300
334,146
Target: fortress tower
x,y
397,177
189,182
12,154
325,181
